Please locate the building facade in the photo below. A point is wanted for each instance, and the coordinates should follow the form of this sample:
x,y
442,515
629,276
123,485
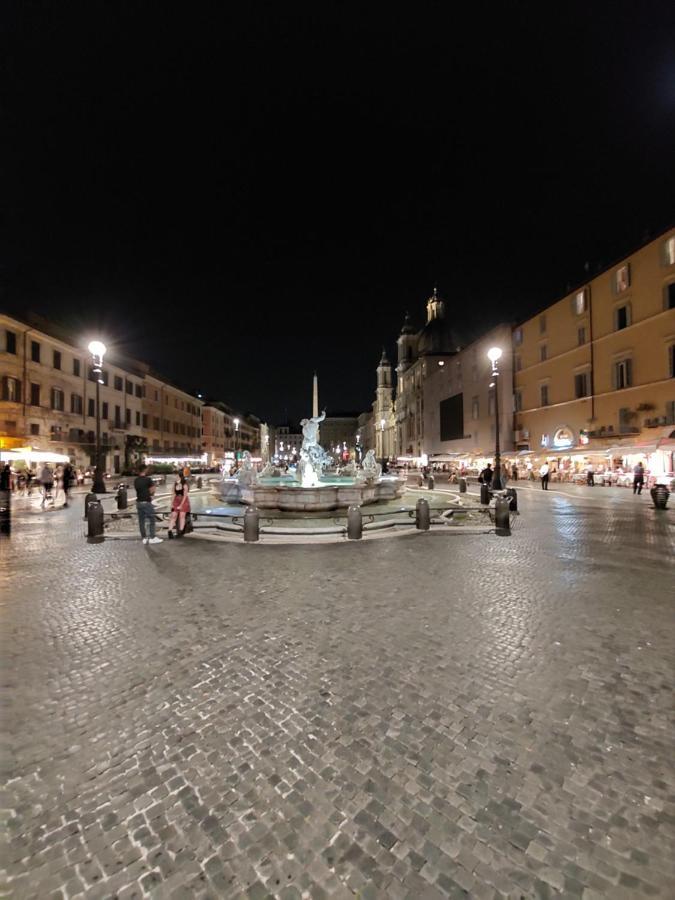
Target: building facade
x,y
384,418
594,372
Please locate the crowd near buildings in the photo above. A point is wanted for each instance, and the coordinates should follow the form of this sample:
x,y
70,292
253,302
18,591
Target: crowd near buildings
x,y
586,382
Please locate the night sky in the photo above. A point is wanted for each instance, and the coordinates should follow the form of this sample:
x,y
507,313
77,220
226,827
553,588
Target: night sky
x,y
242,193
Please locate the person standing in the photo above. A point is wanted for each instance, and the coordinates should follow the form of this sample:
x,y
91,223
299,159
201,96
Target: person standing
x,y
47,482
486,475
68,478
145,488
544,474
180,506
590,475
638,478
514,472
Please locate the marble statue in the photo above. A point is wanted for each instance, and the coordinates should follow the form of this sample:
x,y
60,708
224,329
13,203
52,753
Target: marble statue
x,y
247,474
371,467
313,458
310,430
269,471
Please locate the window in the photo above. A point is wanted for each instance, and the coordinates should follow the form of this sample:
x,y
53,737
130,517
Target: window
x,y
175,402
542,324
543,353
55,433
155,423
621,317
543,392
622,279
138,418
671,361
129,385
104,410
581,385
76,404
139,390
156,396
76,368
517,401
669,296
11,389
118,417
581,335
34,394
91,407
34,428
580,301
35,351
104,376
56,359
623,374
518,337
475,408
128,416
669,251
10,341
118,384
57,399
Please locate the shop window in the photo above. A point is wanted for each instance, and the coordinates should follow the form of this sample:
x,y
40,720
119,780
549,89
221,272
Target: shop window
x,y
669,251
34,394
669,296
623,374
57,399
76,368
10,341
56,359
622,318
581,385
11,389
543,393
35,351
581,335
622,279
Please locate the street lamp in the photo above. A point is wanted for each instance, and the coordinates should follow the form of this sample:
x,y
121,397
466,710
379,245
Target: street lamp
x,y
236,437
494,355
97,350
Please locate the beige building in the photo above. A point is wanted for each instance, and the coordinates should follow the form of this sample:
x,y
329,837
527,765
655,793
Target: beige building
x,y
594,372
459,401
172,420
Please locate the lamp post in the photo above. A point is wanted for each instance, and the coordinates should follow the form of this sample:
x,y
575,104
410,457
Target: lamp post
x,y
236,438
97,350
494,355
383,422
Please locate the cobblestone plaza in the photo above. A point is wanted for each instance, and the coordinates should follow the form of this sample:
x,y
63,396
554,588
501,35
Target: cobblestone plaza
x,y
426,716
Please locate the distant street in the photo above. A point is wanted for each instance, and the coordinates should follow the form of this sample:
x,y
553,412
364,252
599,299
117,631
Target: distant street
x,y
417,717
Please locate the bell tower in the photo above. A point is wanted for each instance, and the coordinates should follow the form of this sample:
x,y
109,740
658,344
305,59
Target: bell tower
x,y
435,307
407,345
383,409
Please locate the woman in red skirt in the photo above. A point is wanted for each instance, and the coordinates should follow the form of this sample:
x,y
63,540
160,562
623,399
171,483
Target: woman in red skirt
x,y
180,505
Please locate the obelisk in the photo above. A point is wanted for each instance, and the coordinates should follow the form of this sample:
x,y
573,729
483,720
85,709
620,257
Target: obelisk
x,y
315,396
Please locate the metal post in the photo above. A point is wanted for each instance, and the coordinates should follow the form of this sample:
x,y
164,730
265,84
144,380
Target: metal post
x,y
430,482
98,486
512,494
199,483
5,513
89,498
462,485
251,524
122,497
422,515
502,521
95,522
421,480
497,477
484,494
354,523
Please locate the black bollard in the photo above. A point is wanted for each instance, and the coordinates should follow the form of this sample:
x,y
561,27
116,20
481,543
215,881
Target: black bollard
x,y
251,524
5,513
354,523
512,496
199,483
462,485
484,494
422,515
502,521
660,494
430,482
89,498
420,480
95,522
122,497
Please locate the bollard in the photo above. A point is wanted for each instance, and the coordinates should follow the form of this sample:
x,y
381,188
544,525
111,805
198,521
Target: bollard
x,y
199,483
422,516
89,498
5,513
251,524
502,521
95,522
420,480
484,494
513,499
430,482
354,523
660,494
462,485
122,497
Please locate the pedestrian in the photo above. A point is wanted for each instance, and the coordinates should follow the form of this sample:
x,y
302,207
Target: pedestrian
x,y
544,475
47,482
514,472
30,478
68,478
638,478
590,475
485,476
6,478
145,488
180,506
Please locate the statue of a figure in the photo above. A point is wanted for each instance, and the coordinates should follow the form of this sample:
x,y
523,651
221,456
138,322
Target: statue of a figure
x,y
310,429
371,467
247,474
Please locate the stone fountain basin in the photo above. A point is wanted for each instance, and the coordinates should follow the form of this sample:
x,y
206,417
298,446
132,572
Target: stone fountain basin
x,y
330,494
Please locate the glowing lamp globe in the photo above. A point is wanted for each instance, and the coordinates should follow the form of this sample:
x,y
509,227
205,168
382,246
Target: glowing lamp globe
x,y
494,353
97,348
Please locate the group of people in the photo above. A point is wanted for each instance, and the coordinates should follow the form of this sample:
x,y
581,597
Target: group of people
x,y
51,481
180,505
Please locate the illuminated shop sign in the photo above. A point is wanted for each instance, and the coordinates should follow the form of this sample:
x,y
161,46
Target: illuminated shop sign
x,y
563,438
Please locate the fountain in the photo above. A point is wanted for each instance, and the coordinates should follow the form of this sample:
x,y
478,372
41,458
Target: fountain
x,y
310,488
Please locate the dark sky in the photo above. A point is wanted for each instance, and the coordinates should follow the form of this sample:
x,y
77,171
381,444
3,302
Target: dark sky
x,y
241,193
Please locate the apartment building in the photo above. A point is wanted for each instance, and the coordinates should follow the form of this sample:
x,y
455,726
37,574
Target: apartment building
x,y
172,423
595,371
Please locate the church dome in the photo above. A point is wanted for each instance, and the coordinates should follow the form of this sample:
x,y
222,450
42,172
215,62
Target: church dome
x,y
408,327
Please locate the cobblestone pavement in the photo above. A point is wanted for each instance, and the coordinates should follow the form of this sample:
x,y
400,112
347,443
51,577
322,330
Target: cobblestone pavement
x,y
426,716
